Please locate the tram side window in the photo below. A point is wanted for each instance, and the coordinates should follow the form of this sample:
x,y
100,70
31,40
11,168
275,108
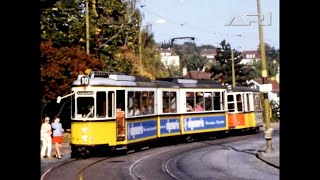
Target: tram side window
x,y
120,96
137,104
151,102
134,103
230,103
130,103
239,102
101,103
222,103
73,109
165,102
144,101
208,101
173,102
111,103
84,107
217,101
257,103
169,102
190,102
140,103
249,102
199,102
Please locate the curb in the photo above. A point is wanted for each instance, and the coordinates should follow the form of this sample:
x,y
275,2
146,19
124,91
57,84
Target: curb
x,y
260,156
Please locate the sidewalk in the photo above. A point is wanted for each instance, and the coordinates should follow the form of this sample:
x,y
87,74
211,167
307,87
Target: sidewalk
x,y
272,158
65,150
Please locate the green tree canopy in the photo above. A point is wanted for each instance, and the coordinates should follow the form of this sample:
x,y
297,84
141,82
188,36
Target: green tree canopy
x,y
223,65
272,61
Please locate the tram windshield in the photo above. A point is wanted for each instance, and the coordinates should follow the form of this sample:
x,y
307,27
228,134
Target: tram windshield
x,y
89,104
85,107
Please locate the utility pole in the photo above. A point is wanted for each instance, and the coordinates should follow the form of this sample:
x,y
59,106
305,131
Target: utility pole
x,y
87,27
232,65
139,42
264,73
233,73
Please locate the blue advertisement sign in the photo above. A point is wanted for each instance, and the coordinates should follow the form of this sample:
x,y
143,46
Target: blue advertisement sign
x,y
144,129
203,123
168,126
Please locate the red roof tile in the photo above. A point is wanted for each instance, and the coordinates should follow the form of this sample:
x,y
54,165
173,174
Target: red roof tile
x,y
197,75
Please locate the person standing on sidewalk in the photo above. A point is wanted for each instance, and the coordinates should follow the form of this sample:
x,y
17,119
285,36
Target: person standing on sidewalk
x,y
46,138
57,135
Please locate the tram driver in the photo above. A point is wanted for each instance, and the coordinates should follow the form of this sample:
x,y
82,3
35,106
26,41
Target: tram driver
x,y
90,113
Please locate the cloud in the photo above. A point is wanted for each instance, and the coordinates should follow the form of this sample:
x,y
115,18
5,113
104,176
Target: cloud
x,y
161,21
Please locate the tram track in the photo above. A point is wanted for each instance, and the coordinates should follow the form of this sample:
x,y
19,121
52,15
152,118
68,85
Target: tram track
x,y
56,167
80,173
171,154
160,160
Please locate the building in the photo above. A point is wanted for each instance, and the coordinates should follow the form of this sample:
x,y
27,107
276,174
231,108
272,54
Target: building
x,y
249,57
209,54
273,95
169,58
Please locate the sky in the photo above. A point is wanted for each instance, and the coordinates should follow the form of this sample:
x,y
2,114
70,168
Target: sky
x,y
211,21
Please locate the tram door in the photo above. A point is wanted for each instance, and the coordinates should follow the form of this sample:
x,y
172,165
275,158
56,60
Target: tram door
x,y
120,104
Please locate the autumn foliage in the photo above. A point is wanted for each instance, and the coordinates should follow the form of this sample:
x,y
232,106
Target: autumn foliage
x,y
61,66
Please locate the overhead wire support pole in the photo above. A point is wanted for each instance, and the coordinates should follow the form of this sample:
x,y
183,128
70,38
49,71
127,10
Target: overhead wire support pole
x,y
264,74
140,42
233,73
87,28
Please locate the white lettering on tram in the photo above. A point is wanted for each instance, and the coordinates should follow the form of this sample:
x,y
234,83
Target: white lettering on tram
x,y
172,126
219,121
210,123
149,129
136,130
196,123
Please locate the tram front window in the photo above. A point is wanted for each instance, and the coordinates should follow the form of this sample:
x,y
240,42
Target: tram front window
x,y
85,107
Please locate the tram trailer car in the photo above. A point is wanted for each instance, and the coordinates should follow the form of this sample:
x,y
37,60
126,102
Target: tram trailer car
x,y
191,108
244,109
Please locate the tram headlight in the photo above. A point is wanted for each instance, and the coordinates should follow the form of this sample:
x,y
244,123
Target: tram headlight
x,y
84,130
85,138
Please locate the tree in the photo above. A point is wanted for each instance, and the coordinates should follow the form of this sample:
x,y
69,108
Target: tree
x,y
196,62
110,27
114,27
185,51
272,61
151,56
59,68
223,65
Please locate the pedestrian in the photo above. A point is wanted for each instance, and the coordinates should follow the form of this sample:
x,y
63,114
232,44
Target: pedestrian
x,y
57,136
46,133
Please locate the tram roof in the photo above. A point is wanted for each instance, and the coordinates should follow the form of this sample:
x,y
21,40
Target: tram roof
x,y
243,89
101,78
192,83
